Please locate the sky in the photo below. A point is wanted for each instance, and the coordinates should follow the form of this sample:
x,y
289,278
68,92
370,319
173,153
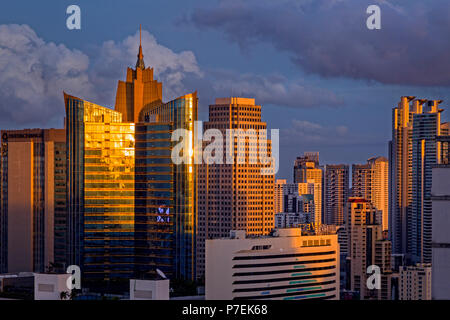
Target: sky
x,y
322,77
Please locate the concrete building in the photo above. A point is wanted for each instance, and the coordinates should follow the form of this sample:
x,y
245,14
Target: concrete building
x,y
33,198
286,266
370,181
236,195
366,247
440,196
278,193
415,282
307,167
50,286
416,124
336,193
34,286
149,289
285,196
425,151
313,189
309,174
290,219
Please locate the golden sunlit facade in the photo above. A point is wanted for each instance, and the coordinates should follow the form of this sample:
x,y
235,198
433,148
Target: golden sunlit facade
x,y
102,171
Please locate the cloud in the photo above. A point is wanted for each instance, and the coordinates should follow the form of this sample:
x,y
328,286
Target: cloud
x,y
330,38
34,73
270,89
308,134
169,67
275,90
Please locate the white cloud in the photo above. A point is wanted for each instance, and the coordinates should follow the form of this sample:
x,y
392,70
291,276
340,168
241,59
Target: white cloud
x,y
34,73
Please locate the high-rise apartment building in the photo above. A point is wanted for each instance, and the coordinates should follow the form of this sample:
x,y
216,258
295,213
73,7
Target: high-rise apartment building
x,y
336,193
33,197
413,150
236,195
131,209
307,167
309,174
415,282
425,149
281,189
284,266
367,247
314,189
370,181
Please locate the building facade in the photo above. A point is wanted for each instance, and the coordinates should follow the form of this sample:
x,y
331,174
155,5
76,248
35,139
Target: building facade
x,y
367,247
426,128
131,208
33,223
415,282
370,181
284,266
416,124
310,174
336,193
236,195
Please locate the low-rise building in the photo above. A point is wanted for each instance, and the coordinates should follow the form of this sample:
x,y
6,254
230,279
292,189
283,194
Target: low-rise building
x,y
285,265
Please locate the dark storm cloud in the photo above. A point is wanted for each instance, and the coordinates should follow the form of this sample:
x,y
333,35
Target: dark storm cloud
x,y
330,38
270,89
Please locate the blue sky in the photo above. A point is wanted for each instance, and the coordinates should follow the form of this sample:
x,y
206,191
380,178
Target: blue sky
x,y
322,77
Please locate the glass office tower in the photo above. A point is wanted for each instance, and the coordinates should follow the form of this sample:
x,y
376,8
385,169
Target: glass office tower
x,y
100,173
131,209
170,211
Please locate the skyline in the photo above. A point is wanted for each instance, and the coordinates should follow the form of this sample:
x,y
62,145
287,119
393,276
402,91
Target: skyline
x,y
315,110
262,150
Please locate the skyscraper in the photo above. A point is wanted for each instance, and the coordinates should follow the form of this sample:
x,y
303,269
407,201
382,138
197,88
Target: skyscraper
x,y
367,247
426,127
278,193
139,90
33,232
308,172
131,209
313,189
370,181
336,193
413,150
235,196
307,167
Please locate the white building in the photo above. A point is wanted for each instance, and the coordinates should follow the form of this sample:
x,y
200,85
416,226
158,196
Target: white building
x,y
286,265
149,289
440,192
50,286
415,282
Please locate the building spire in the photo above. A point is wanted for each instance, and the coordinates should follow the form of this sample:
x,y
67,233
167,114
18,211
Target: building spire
x,y
140,61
